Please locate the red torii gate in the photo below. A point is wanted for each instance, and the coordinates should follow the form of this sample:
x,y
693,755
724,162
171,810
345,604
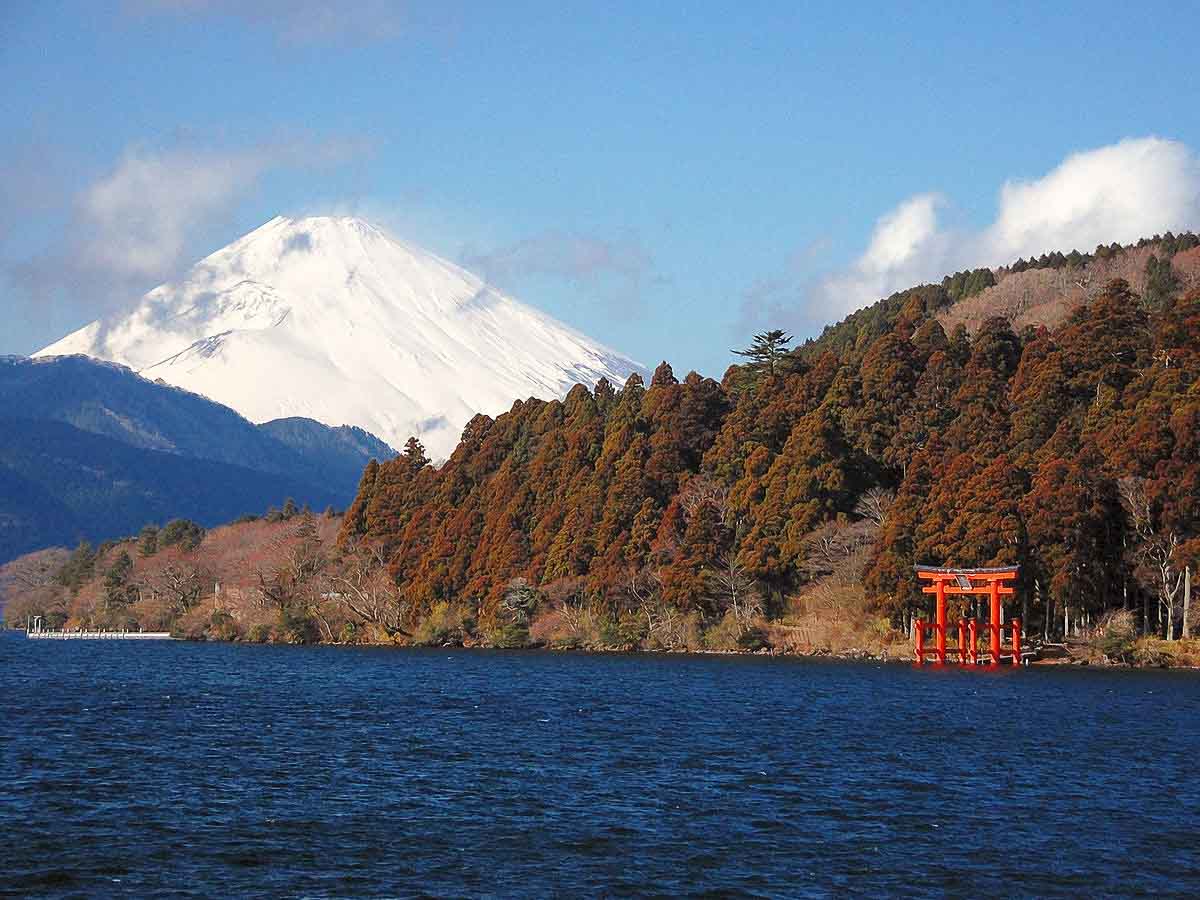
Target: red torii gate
x,y
993,583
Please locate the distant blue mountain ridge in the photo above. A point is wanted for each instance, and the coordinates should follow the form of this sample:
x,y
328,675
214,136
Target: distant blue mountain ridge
x,y
90,449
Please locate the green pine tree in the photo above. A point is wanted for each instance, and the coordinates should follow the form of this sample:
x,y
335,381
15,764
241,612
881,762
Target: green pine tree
x,y
769,354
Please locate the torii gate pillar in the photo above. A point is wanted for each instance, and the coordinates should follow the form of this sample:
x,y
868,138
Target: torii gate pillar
x,y
994,590
941,621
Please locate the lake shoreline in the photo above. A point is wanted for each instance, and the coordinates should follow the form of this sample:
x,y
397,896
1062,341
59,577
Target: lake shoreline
x,y
1077,655
1075,660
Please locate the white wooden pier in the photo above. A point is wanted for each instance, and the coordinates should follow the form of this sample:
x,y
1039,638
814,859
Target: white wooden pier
x,y
35,631
100,635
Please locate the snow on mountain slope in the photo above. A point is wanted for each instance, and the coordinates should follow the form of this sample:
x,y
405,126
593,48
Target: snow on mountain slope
x,y
333,319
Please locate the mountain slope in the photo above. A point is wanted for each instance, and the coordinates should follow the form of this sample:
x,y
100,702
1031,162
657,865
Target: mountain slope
x,y
30,516
113,401
339,453
332,319
59,484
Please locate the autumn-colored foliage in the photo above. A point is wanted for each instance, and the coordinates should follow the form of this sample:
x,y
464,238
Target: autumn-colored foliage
x,y
999,447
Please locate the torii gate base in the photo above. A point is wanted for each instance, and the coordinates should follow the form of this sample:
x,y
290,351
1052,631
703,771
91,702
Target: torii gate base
x,y
990,582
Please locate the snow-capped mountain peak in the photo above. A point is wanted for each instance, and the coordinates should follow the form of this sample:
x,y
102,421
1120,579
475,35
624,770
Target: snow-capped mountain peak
x,y
334,319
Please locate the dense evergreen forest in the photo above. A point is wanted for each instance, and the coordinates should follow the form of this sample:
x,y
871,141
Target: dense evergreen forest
x,y
1072,451
785,503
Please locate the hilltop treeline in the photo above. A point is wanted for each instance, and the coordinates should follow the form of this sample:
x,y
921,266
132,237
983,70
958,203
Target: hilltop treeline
x,y
1073,452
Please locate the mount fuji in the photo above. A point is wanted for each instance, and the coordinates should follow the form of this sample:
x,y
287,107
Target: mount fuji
x,y
333,319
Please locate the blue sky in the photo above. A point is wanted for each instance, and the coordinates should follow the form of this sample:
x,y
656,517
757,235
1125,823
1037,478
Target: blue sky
x,y
664,177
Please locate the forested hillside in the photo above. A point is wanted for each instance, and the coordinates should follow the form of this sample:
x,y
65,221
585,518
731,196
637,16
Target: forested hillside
x,y
887,441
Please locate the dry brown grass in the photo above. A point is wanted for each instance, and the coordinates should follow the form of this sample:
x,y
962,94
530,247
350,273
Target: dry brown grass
x,y
835,618
1114,640
1172,654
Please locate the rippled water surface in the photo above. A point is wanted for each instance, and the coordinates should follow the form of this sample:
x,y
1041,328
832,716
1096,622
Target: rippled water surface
x,y
145,768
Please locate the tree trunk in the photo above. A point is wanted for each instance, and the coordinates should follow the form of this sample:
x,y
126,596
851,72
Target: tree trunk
x,y
1066,620
1187,601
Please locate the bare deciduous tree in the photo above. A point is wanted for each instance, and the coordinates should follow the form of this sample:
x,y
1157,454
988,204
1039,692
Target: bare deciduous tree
x,y
731,588
837,549
35,570
1155,548
288,573
365,589
874,504
180,583
28,587
662,618
702,491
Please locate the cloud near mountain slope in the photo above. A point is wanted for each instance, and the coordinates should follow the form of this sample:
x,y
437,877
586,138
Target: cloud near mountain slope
x,y
1134,188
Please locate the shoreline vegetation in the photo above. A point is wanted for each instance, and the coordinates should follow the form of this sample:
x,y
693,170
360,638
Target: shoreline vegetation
x,y
1142,653
212,586
1044,415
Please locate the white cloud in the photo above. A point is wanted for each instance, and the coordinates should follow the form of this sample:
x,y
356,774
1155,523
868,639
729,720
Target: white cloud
x,y
134,221
1131,189
134,226
1118,193
904,244
571,255
611,269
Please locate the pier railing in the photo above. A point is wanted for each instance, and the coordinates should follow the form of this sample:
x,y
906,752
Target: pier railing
x,y
34,630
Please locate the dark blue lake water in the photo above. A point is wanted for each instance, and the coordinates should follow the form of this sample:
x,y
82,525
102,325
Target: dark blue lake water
x,y
235,771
